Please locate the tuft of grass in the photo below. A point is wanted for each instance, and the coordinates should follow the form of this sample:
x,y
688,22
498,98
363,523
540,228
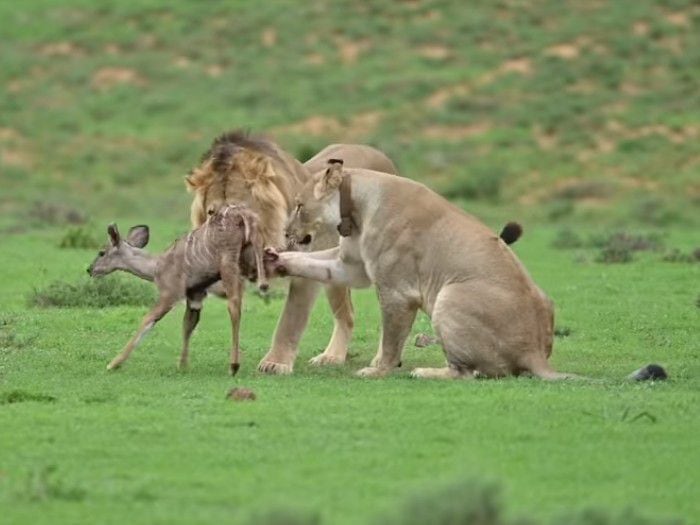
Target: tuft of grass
x,y
42,484
50,214
615,254
93,293
562,331
79,237
678,256
483,182
619,247
468,501
601,517
285,517
21,396
567,239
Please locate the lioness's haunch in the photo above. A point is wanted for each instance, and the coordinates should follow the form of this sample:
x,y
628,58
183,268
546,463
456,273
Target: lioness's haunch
x,y
208,254
239,168
421,251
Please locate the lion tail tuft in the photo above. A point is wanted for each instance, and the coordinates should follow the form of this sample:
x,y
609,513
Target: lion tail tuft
x,y
511,232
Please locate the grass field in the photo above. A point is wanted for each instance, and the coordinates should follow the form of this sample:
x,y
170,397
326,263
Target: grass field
x,y
578,118
151,444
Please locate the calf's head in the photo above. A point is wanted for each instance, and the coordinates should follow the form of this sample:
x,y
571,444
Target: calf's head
x,y
118,252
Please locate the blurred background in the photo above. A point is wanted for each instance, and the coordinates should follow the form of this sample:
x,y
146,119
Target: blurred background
x,y
560,111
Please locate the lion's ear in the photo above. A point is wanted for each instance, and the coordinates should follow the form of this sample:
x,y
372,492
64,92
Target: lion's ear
x,y
329,179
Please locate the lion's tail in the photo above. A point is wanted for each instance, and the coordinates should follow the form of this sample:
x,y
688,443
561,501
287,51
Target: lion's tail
x,y
511,232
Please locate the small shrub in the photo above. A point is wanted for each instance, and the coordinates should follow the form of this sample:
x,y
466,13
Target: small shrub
x,y
21,396
584,189
79,237
655,212
465,502
285,517
634,242
484,183
567,239
562,331
677,256
94,293
599,517
615,254
42,485
620,246
559,209
50,214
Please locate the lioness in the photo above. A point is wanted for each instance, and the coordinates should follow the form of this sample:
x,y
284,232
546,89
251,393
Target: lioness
x,y
420,251
239,168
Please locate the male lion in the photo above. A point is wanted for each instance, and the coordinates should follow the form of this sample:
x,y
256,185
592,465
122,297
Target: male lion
x,y
420,251
239,168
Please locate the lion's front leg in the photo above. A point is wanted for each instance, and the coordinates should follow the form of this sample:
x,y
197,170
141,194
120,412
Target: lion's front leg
x,y
343,323
290,327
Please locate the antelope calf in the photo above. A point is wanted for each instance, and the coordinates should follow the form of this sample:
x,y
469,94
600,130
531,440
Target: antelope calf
x,y
212,252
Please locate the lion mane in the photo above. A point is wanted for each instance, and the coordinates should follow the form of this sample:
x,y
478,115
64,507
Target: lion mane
x,y
241,168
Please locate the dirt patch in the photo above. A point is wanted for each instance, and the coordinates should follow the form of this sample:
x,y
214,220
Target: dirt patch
x,y
456,132
434,52
546,140
61,49
268,38
214,71
678,19
315,59
675,135
568,51
109,77
349,51
182,62
358,126
14,149
640,28
522,66
441,96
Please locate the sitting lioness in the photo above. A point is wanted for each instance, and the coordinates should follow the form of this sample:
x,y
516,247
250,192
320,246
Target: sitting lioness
x,y
420,251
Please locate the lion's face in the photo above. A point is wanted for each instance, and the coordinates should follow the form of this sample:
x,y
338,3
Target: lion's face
x,y
230,176
315,210
305,221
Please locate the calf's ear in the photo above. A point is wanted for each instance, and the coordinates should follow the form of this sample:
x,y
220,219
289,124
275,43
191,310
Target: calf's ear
x,y
113,232
138,236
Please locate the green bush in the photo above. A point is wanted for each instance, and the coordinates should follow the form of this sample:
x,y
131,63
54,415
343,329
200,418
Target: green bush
x,y
112,290
79,237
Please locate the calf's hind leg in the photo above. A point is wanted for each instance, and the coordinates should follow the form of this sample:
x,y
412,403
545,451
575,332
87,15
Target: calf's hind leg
x,y
233,284
189,323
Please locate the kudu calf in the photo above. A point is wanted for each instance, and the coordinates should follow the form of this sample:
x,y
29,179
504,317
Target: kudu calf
x,y
212,252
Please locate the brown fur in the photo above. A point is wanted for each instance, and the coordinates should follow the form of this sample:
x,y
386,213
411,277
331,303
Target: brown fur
x,y
240,168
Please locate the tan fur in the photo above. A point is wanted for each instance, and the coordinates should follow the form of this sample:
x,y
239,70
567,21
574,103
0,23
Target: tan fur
x,y
257,172
422,252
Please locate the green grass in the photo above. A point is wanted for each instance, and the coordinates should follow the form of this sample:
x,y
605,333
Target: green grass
x,y
562,114
149,443
510,101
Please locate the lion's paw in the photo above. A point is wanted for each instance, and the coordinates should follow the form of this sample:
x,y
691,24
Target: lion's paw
x,y
270,367
327,359
370,371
